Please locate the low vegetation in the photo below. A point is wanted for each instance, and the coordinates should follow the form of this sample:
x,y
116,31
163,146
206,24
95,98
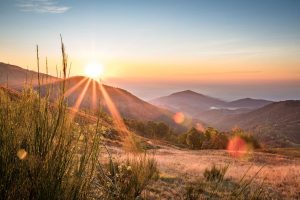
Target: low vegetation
x,y
216,186
126,179
46,154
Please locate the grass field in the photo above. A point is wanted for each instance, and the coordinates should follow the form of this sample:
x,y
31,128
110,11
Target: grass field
x,y
278,175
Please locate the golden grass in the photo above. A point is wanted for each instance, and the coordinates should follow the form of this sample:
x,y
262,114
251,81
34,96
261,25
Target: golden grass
x,y
279,177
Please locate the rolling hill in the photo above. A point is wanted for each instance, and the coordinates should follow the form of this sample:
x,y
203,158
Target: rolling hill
x,y
205,108
128,105
248,103
15,76
277,123
188,102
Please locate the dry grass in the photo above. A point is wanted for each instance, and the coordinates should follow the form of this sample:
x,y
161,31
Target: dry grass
x,y
279,177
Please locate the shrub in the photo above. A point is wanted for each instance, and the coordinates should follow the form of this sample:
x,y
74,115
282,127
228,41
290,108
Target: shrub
x,y
195,138
126,180
43,155
247,137
192,191
215,173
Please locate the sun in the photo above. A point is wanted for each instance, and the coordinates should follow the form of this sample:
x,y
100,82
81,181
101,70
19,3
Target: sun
x,y
94,70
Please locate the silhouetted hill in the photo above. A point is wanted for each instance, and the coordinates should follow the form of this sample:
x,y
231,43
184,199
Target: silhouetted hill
x,y
248,103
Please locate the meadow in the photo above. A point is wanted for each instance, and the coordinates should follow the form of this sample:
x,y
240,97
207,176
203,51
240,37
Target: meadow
x,y
49,151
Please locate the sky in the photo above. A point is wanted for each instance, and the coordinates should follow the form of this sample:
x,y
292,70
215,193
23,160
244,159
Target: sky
x,y
227,49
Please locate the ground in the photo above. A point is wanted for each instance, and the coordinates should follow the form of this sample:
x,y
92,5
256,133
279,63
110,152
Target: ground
x,y
279,175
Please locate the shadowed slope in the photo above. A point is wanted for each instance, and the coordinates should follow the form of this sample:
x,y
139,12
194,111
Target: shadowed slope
x,y
276,123
128,105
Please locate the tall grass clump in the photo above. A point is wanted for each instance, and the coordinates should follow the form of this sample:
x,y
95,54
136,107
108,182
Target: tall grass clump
x,y
215,173
126,180
44,154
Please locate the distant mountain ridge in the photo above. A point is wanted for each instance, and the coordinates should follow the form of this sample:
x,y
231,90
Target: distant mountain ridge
x,y
248,103
195,104
189,102
276,123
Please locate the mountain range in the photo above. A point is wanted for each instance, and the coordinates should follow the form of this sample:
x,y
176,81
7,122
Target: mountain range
x,y
275,123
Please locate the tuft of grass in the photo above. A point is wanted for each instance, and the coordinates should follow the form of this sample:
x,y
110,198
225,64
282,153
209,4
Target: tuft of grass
x,y
127,179
214,186
215,173
44,154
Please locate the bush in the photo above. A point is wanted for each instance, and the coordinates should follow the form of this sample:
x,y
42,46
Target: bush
x,y
214,186
195,139
215,173
126,180
43,155
247,137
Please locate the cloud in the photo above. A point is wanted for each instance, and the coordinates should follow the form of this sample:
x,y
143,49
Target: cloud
x,y
41,6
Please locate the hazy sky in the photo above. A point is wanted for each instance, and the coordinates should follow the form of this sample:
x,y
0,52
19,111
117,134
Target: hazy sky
x,y
228,49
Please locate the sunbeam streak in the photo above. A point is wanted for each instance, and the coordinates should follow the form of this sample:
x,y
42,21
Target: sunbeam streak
x,y
72,89
94,95
113,111
75,108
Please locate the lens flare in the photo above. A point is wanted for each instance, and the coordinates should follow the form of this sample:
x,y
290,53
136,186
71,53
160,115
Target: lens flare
x,y
22,153
178,117
237,147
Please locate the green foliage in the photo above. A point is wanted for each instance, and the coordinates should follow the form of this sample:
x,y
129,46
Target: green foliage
x,y
247,137
126,180
150,129
214,139
209,139
43,155
194,138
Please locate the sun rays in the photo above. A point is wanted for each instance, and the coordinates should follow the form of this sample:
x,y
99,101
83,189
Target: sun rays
x,y
98,90
118,120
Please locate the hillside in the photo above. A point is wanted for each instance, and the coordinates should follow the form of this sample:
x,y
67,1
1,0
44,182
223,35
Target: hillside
x,y
277,123
188,102
207,109
126,103
248,103
15,76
